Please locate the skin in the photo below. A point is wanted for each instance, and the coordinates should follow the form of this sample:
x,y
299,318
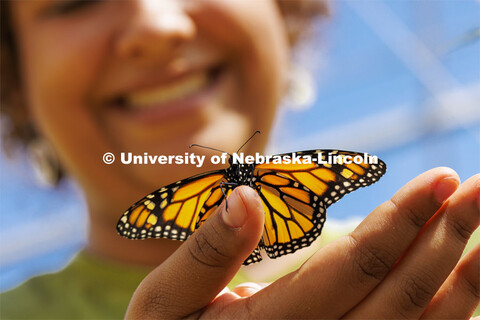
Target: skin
x,y
401,262
74,64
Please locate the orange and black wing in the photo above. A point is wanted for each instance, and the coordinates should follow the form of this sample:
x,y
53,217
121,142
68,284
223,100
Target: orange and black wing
x,y
171,212
296,196
213,202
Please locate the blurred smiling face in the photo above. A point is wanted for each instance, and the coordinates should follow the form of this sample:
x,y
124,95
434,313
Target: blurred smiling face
x,y
148,76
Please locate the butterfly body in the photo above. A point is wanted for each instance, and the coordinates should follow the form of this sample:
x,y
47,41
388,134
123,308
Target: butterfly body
x,y
294,196
240,173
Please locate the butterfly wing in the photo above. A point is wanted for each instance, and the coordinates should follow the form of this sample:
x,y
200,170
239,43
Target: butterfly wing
x,y
296,196
293,216
255,256
171,212
214,200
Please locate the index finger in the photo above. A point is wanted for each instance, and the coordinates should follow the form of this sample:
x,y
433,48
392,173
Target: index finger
x,y
341,274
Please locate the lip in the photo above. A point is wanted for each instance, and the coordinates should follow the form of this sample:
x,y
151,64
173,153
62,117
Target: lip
x,y
188,105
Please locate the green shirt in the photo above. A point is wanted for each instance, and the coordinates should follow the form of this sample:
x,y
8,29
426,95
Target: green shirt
x,y
88,288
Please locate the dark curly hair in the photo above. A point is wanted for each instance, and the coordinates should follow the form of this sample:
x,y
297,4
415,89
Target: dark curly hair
x,y
17,128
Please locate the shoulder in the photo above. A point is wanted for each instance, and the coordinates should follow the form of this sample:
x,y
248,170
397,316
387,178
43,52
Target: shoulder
x,y
31,299
88,288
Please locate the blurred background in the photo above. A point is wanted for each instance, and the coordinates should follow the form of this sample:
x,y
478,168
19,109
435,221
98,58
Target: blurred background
x,y
407,69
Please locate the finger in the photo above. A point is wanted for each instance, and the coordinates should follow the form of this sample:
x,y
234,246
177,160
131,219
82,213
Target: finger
x,y
460,294
411,285
221,293
357,263
193,276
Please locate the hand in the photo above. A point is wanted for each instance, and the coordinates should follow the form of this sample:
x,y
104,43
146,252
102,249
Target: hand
x,y
400,262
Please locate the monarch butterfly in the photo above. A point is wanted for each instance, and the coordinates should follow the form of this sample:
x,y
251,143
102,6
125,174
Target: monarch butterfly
x,y
294,196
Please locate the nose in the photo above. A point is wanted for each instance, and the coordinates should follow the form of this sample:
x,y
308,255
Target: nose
x,y
155,30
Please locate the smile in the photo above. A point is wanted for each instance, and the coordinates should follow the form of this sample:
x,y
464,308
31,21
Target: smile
x,y
180,90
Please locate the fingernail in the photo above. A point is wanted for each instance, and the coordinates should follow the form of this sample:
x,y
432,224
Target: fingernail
x,y
252,285
445,188
236,215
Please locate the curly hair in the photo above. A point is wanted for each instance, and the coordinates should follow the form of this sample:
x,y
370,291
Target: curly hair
x,y
17,128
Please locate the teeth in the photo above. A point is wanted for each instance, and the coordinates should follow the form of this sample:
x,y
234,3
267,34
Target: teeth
x,y
175,91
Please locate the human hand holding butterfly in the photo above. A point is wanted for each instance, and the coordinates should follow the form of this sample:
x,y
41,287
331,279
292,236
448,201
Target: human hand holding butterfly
x,y
400,262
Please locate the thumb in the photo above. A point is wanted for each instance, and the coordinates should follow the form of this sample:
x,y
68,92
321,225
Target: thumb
x,y
194,274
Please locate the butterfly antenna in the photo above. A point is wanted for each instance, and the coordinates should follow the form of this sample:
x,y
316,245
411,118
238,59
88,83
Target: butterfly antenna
x,y
200,146
253,135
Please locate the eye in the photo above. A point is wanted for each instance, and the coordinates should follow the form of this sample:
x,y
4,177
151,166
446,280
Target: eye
x,y
65,7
